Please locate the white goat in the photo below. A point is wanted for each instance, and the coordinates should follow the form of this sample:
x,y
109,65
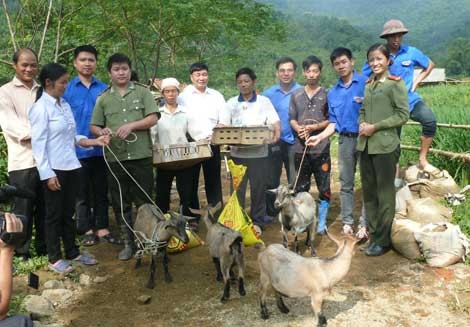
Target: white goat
x,y
225,248
292,275
297,214
150,224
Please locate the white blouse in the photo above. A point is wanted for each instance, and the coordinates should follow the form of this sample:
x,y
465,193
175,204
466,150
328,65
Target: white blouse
x,y
53,136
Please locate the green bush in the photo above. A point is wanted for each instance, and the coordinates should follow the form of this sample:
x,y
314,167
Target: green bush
x,y
450,104
3,161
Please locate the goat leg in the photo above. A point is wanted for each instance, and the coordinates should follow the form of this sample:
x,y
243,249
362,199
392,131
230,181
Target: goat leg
x,y
264,310
296,245
168,277
280,303
226,294
151,281
225,267
216,262
311,239
316,301
285,239
239,259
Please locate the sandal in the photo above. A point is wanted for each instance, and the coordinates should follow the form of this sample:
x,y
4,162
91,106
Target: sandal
x,y
61,267
86,259
111,239
90,240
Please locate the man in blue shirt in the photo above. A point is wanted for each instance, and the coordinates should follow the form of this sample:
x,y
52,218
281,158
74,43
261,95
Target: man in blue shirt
x,y
81,94
344,101
282,153
405,58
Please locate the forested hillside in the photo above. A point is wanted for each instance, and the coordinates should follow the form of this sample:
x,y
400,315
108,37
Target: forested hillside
x,y
438,27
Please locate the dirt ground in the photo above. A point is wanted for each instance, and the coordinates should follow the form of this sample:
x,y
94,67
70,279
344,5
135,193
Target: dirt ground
x,y
384,291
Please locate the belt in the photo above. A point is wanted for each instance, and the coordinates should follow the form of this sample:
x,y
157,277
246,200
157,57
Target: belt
x,y
348,134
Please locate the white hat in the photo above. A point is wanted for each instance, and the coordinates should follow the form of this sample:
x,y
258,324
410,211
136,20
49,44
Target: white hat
x,y
170,81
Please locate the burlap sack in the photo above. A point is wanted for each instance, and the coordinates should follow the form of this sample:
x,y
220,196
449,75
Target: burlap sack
x,y
438,187
403,239
428,210
442,244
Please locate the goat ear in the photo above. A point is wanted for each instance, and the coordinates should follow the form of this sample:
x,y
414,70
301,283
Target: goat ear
x,y
333,238
272,191
298,202
213,210
196,211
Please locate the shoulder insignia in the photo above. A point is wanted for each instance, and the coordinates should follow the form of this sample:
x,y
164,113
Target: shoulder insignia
x,y
394,78
370,80
106,89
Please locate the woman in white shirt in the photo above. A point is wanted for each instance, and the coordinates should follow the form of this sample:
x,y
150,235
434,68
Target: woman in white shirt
x,y
53,139
249,108
173,127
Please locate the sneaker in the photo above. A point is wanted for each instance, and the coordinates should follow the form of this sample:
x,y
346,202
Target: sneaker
x,y
347,229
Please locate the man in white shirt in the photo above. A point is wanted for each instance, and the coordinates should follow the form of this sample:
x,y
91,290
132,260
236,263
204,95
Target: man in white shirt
x,y
15,99
205,105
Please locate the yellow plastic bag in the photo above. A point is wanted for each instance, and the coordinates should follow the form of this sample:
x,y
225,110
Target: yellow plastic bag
x,y
233,215
175,245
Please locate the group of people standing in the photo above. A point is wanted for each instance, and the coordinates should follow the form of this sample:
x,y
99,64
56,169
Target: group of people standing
x,y
56,131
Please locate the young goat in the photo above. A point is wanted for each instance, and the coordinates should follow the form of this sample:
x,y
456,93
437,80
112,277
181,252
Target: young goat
x,y
292,275
297,214
226,249
151,225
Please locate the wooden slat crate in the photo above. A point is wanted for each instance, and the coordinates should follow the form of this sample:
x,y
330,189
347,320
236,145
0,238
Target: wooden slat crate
x,y
245,135
178,156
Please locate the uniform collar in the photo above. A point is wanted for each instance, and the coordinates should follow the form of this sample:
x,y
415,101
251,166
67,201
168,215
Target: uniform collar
x,y
130,86
242,99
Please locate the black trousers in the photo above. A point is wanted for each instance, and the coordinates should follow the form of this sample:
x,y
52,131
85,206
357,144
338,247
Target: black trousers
x,y
212,181
184,185
256,174
32,209
60,206
142,171
320,166
378,191
92,194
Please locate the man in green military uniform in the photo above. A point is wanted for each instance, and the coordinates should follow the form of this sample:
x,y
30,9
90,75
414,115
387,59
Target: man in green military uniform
x,y
122,109
384,109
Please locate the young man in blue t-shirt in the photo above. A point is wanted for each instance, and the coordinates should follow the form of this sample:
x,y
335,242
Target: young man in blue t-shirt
x,y
405,58
344,101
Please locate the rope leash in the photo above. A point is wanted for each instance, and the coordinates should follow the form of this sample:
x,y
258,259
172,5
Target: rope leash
x,y
303,155
147,245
